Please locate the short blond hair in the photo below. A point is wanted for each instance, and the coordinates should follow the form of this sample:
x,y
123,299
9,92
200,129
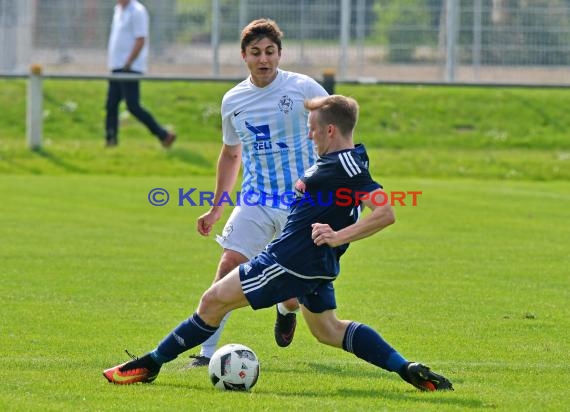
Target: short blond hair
x,y
336,109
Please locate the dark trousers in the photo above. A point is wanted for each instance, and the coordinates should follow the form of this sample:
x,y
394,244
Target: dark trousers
x,y
130,91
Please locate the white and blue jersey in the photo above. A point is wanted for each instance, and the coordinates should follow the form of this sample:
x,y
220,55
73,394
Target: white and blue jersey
x,y
292,265
271,125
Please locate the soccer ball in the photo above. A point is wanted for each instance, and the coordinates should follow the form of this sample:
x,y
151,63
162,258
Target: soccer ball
x,y
234,367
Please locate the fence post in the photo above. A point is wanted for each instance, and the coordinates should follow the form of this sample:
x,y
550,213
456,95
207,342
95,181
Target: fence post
x,y
328,81
35,108
215,37
452,22
344,36
477,33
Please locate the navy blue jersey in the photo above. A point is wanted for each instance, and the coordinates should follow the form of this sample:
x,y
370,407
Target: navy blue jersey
x,y
326,193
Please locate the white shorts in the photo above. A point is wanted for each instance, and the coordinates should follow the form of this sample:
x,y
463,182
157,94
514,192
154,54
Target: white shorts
x,y
250,228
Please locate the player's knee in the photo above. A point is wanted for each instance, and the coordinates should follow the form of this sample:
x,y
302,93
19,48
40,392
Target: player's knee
x,y
210,299
210,307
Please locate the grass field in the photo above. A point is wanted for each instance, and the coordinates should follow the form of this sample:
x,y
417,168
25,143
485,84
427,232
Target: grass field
x,y
473,281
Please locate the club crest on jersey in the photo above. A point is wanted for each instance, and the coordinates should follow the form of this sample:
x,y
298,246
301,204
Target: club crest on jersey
x,y
285,104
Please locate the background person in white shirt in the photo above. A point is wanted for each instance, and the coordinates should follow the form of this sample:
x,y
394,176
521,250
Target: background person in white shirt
x,y
128,53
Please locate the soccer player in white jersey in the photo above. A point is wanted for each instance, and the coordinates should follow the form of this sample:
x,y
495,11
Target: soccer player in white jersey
x,y
264,126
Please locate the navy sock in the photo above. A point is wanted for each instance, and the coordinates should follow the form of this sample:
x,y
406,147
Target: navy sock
x,y
192,332
368,345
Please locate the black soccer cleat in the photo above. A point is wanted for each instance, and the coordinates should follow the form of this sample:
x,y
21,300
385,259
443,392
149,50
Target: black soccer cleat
x,y
168,140
285,328
424,379
198,361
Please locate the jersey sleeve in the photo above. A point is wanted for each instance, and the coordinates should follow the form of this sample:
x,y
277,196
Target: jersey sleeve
x,y
314,89
363,182
229,134
368,185
140,23
355,171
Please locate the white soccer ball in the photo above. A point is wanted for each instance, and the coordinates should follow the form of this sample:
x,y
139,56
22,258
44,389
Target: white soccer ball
x,y
234,367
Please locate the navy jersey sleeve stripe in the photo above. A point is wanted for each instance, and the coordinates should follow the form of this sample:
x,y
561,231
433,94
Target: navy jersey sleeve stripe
x,y
351,160
349,169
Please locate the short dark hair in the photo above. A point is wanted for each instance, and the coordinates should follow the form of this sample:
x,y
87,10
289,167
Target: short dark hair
x,y
258,29
336,109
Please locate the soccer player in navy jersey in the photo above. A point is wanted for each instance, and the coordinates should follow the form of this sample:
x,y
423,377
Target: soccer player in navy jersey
x,y
264,129
303,261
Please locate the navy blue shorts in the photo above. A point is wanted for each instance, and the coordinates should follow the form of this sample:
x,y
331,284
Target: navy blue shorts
x,y
265,283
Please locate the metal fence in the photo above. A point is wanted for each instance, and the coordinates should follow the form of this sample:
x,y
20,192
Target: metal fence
x,y
467,41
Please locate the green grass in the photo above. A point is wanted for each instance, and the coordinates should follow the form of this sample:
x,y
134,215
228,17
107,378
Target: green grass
x,y
502,133
137,157
473,281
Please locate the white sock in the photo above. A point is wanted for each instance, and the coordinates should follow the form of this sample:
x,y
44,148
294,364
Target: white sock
x,y
284,311
209,346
